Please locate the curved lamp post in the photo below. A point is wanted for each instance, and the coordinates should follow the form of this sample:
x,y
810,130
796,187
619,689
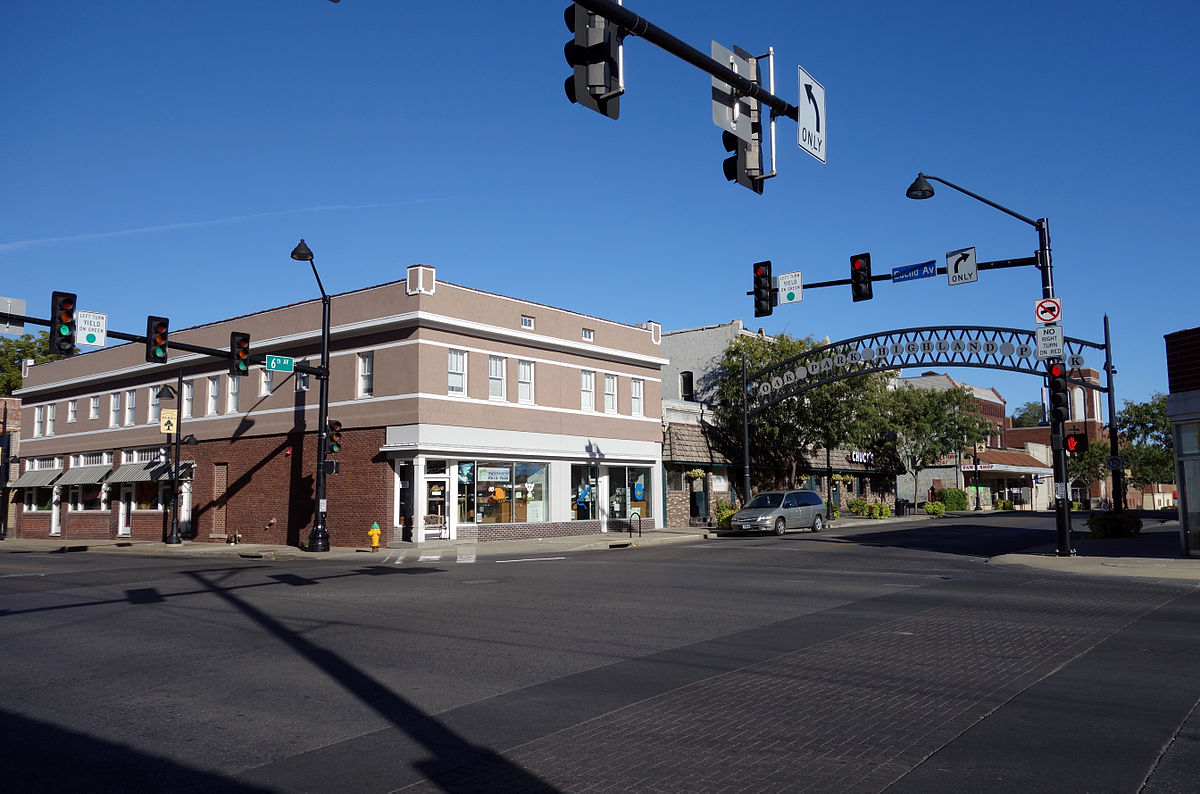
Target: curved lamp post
x,y
318,538
921,189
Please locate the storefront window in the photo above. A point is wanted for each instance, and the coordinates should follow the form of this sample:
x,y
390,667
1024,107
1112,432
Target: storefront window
x,y
466,493
145,495
87,497
493,493
629,492
529,492
39,499
583,492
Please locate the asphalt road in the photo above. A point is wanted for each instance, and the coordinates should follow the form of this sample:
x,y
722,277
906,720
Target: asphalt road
x,y
847,661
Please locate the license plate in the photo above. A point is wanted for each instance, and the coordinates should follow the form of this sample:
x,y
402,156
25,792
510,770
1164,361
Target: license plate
x,y
745,526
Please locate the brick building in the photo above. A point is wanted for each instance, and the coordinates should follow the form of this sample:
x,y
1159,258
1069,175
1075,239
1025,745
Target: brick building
x,y
465,415
1183,409
10,450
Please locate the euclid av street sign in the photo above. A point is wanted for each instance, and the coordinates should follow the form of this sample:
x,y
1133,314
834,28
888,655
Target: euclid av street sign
x,y
911,272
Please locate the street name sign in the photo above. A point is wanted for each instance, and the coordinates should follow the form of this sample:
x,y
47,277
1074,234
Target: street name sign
x,y
810,115
912,272
961,266
281,364
1048,310
91,328
791,287
1049,341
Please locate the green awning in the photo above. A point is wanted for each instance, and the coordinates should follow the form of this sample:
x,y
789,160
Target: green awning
x,y
36,479
84,475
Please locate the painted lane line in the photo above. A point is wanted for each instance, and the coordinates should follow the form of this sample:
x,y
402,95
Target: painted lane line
x,y
533,559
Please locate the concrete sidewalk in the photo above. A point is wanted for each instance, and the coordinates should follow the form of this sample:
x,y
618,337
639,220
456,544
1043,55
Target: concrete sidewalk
x,y
1154,554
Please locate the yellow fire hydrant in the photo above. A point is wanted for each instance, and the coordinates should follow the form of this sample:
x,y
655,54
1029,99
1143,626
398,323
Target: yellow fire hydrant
x,y
373,532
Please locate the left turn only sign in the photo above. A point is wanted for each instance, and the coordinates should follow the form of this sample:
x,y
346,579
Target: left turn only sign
x,y
91,328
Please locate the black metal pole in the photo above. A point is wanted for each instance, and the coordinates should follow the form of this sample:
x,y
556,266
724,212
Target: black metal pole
x,y
978,506
1114,449
173,535
745,437
318,539
635,25
1057,451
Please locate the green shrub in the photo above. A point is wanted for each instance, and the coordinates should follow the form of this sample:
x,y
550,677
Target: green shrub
x,y
884,510
835,512
953,498
935,508
1004,504
1076,506
723,511
1114,525
857,506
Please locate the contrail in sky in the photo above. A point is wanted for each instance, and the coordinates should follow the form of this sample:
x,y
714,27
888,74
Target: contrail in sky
x,y
167,227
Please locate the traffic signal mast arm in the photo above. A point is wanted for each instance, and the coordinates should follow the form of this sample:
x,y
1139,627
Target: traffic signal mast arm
x,y
1028,261
632,24
175,344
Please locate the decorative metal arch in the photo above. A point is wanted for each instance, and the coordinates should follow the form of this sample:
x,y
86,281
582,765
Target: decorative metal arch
x,y
949,346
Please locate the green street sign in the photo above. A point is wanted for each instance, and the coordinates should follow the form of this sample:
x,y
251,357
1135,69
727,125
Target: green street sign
x,y
281,364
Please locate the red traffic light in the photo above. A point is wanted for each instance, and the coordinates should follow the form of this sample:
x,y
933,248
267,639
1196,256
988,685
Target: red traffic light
x,y
1056,370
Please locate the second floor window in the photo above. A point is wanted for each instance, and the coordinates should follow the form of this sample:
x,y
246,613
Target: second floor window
x,y
587,390
235,393
636,395
496,365
457,368
114,409
39,414
366,374
610,394
189,392
525,381
72,411
153,414
214,394
268,382
130,406
94,407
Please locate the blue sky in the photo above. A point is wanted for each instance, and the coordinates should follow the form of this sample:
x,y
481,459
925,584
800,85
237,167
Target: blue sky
x,y
164,158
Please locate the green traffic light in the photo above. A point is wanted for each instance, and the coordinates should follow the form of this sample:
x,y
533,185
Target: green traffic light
x,y
64,330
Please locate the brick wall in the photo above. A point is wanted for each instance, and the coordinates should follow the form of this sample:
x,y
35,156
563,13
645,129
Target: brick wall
x,y
552,529
1183,360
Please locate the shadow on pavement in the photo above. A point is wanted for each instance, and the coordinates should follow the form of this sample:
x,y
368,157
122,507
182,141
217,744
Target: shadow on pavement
x,y
46,758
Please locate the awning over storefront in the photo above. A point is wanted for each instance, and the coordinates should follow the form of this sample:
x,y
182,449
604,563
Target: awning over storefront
x,y
141,472
84,475
999,461
36,479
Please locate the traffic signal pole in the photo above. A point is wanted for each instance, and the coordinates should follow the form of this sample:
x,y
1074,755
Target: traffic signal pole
x,y
634,25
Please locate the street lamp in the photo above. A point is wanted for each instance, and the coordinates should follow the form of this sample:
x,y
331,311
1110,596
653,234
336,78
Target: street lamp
x,y
921,189
975,455
318,539
167,393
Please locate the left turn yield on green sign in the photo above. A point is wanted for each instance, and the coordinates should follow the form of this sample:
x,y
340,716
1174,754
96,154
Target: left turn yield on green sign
x,y
91,328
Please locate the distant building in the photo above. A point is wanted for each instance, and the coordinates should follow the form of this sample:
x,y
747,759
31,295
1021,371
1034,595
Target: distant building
x,y
465,414
10,451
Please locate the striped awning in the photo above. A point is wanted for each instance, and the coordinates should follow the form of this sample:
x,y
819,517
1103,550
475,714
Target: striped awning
x,y
84,475
140,472
36,479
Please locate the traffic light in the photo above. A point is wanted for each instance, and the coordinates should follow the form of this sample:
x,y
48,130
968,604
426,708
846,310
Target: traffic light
x,y
62,324
333,436
595,55
156,340
239,353
1060,398
762,289
860,278
1076,442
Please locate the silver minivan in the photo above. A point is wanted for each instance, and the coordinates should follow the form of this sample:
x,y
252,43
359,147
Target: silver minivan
x,y
780,511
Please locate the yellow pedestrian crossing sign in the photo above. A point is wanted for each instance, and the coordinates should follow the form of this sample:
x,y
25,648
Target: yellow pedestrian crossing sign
x,y
168,420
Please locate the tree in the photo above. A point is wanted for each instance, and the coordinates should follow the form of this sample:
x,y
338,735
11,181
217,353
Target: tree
x,y
1028,415
14,351
786,434
930,425
1088,467
1147,443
